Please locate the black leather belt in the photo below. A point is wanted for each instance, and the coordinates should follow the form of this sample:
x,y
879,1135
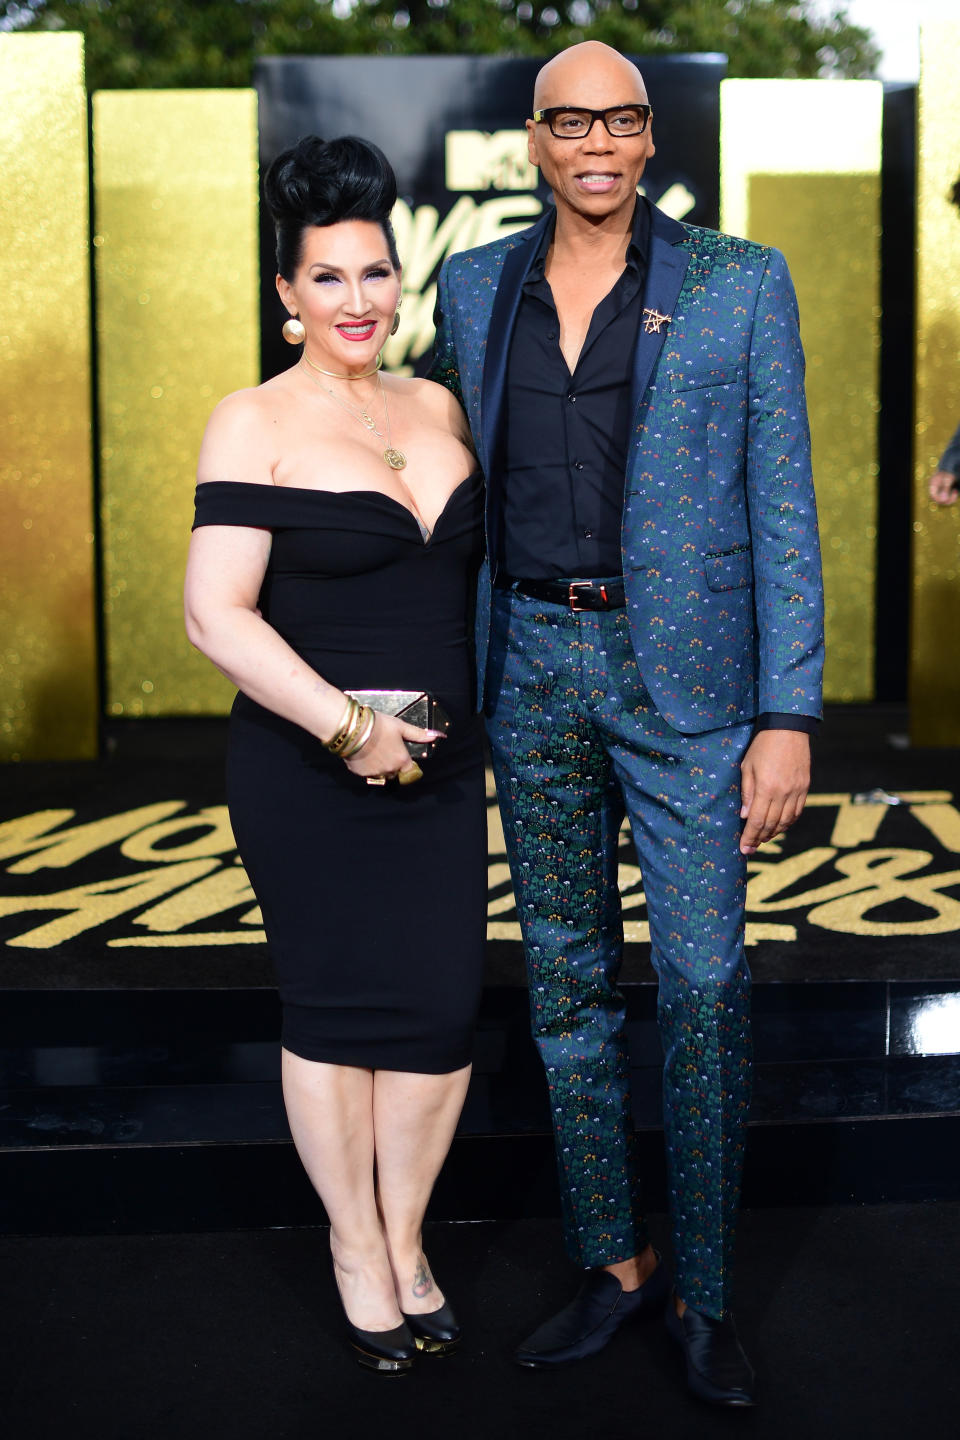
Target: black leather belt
x,y
575,594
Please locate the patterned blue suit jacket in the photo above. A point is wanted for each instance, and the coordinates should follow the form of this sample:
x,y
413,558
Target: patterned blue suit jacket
x,y
721,558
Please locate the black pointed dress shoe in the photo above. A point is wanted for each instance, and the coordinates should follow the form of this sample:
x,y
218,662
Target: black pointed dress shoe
x,y
436,1333
389,1352
593,1317
717,1369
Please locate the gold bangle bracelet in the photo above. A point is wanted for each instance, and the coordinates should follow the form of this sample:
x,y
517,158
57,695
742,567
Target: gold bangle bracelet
x,y
362,734
357,724
346,728
341,724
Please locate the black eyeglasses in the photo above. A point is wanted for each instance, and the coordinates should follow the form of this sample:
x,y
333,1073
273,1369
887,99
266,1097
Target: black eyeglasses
x,y
569,123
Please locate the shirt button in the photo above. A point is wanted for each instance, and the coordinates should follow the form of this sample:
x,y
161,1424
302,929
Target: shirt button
x,y
551,334
578,464
588,534
571,398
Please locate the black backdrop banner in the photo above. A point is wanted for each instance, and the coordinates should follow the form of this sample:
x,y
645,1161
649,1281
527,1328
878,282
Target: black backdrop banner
x,y
453,129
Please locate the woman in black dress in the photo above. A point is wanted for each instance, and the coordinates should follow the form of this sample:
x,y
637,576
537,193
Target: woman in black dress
x,y
337,535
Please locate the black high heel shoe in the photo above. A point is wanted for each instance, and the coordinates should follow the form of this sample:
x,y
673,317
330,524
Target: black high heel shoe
x,y
390,1352
436,1333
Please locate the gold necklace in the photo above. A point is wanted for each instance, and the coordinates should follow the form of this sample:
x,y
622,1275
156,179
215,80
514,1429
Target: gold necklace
x,y
335,375
363,414
393,457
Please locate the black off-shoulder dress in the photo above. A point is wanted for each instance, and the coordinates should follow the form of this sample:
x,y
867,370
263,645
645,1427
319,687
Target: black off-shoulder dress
x,y
373,897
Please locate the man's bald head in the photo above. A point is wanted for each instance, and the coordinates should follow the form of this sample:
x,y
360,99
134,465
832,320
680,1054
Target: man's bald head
x,y
593,175
590,74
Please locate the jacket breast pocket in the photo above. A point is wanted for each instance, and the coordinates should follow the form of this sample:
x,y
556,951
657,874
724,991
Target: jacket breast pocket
x,y
701,378
729,569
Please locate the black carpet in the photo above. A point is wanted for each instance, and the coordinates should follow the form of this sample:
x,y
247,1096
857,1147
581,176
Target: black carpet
x,y
848,1313
122,872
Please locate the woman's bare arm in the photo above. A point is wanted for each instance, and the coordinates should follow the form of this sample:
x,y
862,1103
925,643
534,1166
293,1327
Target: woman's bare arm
x,y
225,571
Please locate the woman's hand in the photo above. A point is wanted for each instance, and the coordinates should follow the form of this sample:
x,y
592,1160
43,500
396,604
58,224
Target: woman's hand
x,y
385,754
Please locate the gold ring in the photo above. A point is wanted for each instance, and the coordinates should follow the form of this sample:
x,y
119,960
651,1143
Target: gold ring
x,y
376,779
411,774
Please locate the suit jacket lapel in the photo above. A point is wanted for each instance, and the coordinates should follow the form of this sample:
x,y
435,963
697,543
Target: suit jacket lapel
x,y
666,269
503,317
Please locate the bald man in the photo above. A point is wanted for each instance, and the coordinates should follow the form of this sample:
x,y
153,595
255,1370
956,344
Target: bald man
x,y
650,644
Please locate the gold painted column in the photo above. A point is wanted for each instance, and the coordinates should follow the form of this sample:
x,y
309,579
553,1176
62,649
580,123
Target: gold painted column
x,y
48,657
935,608
175,184
800,169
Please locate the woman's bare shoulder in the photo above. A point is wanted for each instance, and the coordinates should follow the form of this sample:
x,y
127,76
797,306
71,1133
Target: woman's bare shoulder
x,y
428,392
443,407
240,441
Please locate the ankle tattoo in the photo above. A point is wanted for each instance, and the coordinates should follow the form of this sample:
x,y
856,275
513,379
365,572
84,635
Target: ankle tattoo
x,y
422,1280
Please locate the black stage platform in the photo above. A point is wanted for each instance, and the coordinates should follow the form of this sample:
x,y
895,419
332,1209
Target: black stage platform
x,y
123,873
163,1252
138,1033
138,1028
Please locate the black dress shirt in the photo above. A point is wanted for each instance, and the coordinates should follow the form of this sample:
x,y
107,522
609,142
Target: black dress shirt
x,y
566,435
564,460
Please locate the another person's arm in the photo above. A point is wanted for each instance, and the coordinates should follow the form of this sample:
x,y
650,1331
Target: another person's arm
x,y
945,482
444,369
788,589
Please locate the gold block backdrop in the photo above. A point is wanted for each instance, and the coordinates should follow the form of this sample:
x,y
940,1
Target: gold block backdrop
x,y
48,666
175,186
175,195
800,169
935,610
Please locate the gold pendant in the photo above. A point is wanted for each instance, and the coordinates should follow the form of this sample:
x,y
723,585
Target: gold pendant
x,y
367,420
395,458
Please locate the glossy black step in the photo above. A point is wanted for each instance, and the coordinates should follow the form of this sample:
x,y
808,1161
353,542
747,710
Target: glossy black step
x,y
131,1188
162,1109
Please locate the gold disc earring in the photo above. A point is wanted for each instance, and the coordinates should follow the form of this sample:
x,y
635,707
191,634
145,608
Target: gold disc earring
x,y
396,319
293,331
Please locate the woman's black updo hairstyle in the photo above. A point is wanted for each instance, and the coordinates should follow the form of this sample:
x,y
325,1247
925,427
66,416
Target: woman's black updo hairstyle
x,y
321,182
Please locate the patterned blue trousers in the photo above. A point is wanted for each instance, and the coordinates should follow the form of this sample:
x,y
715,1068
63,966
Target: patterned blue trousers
x,y
577,743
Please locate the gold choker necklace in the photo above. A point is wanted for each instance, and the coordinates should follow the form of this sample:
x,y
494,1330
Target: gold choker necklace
x,y
334,374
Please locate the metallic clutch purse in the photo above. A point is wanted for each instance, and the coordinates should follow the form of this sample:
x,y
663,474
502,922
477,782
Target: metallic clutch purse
x,y
414,706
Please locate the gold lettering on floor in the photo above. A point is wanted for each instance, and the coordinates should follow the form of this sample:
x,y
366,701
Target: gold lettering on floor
x,y
161,873
66,847
88,906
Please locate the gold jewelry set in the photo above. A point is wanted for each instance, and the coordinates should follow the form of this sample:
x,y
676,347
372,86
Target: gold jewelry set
x,y
393,457
353,732
295,334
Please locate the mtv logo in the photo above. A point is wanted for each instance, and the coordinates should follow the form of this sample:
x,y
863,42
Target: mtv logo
x,y
478,161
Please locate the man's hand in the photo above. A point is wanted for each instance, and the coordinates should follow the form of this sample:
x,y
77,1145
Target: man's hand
x,y
943,487
774,780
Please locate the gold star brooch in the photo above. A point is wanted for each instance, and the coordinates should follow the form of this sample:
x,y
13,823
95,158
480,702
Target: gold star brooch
x,y
653,321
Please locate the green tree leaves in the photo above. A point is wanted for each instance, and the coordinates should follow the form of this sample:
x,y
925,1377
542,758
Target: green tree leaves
x,y
196,43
